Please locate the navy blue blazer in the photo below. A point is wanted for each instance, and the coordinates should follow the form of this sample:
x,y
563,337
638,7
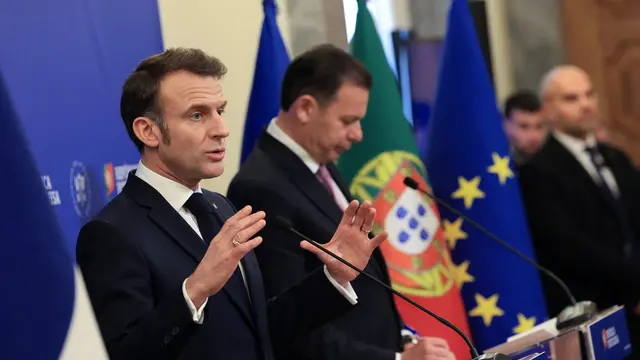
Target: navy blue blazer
x,y
275,180
135,255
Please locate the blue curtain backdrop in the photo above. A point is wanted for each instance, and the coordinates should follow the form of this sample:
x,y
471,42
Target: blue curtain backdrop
x,y
64,63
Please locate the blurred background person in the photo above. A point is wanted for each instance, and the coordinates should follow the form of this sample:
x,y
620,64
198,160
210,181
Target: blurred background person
x,y
524,125
581,199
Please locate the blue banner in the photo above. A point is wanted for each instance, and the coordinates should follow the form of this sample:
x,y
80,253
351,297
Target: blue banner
x,y
64,63
468,164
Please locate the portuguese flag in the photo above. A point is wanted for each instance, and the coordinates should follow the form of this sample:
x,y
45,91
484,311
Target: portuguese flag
x,y
416,253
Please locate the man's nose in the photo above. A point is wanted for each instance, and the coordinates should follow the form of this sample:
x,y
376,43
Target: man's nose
x,y
218,128
355,133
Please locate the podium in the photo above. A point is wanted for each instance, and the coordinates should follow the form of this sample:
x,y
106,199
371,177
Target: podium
x,y
606,336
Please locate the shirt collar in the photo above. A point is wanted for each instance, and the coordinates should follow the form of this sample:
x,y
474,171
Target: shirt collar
x,y
173,192
276,131
574,145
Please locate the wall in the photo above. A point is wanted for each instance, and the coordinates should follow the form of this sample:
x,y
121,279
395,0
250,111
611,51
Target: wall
x,y
534,36
230,31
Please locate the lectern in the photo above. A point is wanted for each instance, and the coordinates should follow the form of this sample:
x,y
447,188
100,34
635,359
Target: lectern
x,y
605,337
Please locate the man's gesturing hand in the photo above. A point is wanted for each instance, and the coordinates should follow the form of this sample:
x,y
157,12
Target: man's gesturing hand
x,y
234,240
350,241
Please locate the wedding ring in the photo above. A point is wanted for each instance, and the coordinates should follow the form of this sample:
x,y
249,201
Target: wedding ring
x,y
365,231
235,242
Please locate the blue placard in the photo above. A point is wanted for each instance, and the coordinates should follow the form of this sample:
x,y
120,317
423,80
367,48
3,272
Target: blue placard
x,y
610,337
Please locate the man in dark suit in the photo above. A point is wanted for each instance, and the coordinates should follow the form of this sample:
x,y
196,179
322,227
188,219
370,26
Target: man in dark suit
x,y
582,202
290,173
169,267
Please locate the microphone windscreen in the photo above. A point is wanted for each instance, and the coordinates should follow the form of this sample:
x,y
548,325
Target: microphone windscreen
x,y
410,182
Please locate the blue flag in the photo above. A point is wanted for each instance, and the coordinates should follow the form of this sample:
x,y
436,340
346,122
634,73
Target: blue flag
x,y
36,269
271,63
469,165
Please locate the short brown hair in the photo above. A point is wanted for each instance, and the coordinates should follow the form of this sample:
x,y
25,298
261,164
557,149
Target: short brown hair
x,y
140,90
320,72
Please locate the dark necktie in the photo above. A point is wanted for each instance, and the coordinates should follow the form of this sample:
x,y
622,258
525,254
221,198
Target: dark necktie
x,y
209,227
615,201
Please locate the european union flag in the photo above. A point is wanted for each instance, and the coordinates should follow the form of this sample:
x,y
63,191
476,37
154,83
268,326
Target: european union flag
x,y
271,63
469,165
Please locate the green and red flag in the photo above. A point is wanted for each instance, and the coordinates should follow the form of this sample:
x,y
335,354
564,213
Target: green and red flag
x,y
416,252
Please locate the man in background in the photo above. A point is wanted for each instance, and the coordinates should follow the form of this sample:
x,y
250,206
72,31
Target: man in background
x,y
524,125
290,173
582,203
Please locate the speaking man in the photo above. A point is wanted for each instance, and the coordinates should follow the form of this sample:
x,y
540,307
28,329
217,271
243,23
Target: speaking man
x,y
290,173
170,267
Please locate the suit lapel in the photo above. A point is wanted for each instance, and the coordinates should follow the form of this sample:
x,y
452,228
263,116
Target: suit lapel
x,y
258,299
569,165
178,230
235,288
165,217
301,177
337,177
618,169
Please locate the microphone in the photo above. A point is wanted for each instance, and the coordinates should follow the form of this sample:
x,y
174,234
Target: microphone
x,y
577,313
286,225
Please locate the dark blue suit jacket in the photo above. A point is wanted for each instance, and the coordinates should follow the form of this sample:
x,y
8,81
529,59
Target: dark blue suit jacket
x,y
135,255
275,180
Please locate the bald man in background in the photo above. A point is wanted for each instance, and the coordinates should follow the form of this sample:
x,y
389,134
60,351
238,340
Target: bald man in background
x,y
582,203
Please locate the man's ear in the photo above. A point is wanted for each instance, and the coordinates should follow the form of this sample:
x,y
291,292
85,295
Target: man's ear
x,y
147,131
305,107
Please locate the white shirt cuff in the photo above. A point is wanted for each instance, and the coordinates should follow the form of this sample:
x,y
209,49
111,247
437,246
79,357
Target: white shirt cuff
x,y
405,332
196,314
398,356
346,291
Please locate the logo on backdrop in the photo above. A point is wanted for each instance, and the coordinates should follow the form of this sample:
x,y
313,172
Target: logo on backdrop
x,y
52,193
80,188
610,337
115,176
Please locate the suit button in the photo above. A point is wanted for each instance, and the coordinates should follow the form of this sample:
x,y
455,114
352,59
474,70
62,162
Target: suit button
x,y
167,339
175,331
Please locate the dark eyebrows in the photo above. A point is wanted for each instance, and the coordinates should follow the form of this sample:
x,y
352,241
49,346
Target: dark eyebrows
x,y
204,107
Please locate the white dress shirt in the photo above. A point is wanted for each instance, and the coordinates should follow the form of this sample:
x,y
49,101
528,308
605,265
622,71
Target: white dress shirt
x,y
277,133
177,195
577,147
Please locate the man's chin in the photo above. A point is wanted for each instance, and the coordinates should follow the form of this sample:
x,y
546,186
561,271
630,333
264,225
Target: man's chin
x,y
213,172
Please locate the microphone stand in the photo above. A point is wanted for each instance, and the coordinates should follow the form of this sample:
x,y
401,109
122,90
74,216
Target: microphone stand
x,y
575,314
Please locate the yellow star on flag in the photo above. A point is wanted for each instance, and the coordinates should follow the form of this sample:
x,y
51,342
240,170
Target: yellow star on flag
x,y
453,232
468,190
461,274
524,324
487,308
501,168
